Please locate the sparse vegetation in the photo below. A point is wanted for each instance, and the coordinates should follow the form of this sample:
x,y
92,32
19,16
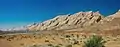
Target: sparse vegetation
x,y
46,40
94,41
76,42
22,44
69,46
50,44
57,46
34,46
67,36
62,40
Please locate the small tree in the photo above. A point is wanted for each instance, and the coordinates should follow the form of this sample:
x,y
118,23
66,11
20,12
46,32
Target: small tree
x,y
94,41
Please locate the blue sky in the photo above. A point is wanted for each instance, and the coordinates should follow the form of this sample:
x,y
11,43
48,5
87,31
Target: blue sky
x,y
14,13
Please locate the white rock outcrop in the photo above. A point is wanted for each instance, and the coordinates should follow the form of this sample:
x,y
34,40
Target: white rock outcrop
x,y
80,19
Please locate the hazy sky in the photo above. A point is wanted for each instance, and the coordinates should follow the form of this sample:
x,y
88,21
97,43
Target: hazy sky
x,y
15,13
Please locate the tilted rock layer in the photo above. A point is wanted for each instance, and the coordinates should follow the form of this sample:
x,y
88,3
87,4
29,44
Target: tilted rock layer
x,y
77,20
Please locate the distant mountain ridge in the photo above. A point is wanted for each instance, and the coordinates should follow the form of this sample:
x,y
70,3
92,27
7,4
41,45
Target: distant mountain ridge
x,y
22,28
78,20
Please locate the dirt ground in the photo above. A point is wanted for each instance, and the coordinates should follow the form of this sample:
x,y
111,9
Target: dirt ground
x,y
54,38
4,44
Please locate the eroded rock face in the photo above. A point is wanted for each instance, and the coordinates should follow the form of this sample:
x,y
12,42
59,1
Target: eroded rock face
x,y
61,22
111,22
82,20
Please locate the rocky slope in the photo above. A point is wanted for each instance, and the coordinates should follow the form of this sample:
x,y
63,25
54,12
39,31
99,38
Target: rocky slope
x,y
81,20
111,22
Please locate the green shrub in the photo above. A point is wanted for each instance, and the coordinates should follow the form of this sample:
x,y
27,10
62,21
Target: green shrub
x,y
67,36
69,46
22,44
50,45
94,41
34,46
46,40
57,46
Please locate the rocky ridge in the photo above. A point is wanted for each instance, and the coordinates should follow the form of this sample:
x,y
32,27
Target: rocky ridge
x,y
79,20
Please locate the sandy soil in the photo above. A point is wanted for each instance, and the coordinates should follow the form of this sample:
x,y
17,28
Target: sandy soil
x,y
24,40
4,44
